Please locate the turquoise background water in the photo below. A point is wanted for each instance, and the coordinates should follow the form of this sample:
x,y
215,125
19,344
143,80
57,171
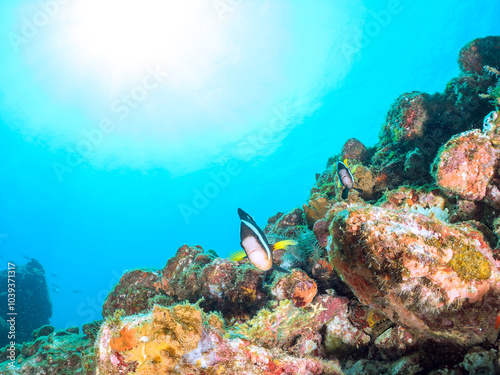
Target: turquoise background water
x,y
246,126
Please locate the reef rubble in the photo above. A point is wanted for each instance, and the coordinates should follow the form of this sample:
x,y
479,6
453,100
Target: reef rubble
x,y
403,278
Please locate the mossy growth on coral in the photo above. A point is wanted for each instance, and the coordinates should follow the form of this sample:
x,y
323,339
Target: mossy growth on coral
x,y
214,320
470,264
494,91
273,328
115,319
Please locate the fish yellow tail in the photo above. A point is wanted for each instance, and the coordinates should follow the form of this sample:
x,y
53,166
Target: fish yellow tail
x,y
237,256
284,244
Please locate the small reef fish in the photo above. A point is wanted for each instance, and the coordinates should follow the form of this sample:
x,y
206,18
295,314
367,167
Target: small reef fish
x,y
54,275
346,178
76,291
255,245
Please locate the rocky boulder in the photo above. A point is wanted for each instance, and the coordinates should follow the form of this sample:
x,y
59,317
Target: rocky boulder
x,y
439,281
465,165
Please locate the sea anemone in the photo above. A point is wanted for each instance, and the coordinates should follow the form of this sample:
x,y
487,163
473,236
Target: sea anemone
x,y
305,254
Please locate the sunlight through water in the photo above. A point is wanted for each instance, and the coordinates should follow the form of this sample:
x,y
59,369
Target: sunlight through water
x,y
182,85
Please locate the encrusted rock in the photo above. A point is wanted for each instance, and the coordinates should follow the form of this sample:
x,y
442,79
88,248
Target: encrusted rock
x,y
328,280
478,53
287,225
354,150
394,342
465,165
479,361
186,339
408,365
370,321
341,336
180,274
316,208
439,281
226,286
364,179
297,286
151,343
407,117
413,198
320,230
467,210
51,353
132,293
43,331
230,287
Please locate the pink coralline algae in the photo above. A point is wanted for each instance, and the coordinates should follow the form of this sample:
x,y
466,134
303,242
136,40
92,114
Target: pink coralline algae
x,y
439,281
297,286
341,336
466,165
407,117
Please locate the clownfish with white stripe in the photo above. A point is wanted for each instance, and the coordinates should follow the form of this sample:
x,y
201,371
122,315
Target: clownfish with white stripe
x,y
255,245
346,178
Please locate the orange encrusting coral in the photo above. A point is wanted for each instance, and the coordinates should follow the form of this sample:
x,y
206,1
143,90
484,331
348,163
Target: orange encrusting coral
x,y
125,341
497,322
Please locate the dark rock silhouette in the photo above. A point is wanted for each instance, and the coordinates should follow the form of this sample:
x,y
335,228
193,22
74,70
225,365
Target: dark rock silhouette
x,y
33,305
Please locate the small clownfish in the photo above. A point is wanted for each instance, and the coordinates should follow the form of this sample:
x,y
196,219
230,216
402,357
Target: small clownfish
x,y
346,178
497,322
255,245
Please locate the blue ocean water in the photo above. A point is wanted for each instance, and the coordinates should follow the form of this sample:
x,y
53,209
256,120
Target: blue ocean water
x,y
116,148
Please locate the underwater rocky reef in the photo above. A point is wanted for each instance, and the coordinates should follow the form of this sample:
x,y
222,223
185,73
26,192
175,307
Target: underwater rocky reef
x,y
34,307
403,278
